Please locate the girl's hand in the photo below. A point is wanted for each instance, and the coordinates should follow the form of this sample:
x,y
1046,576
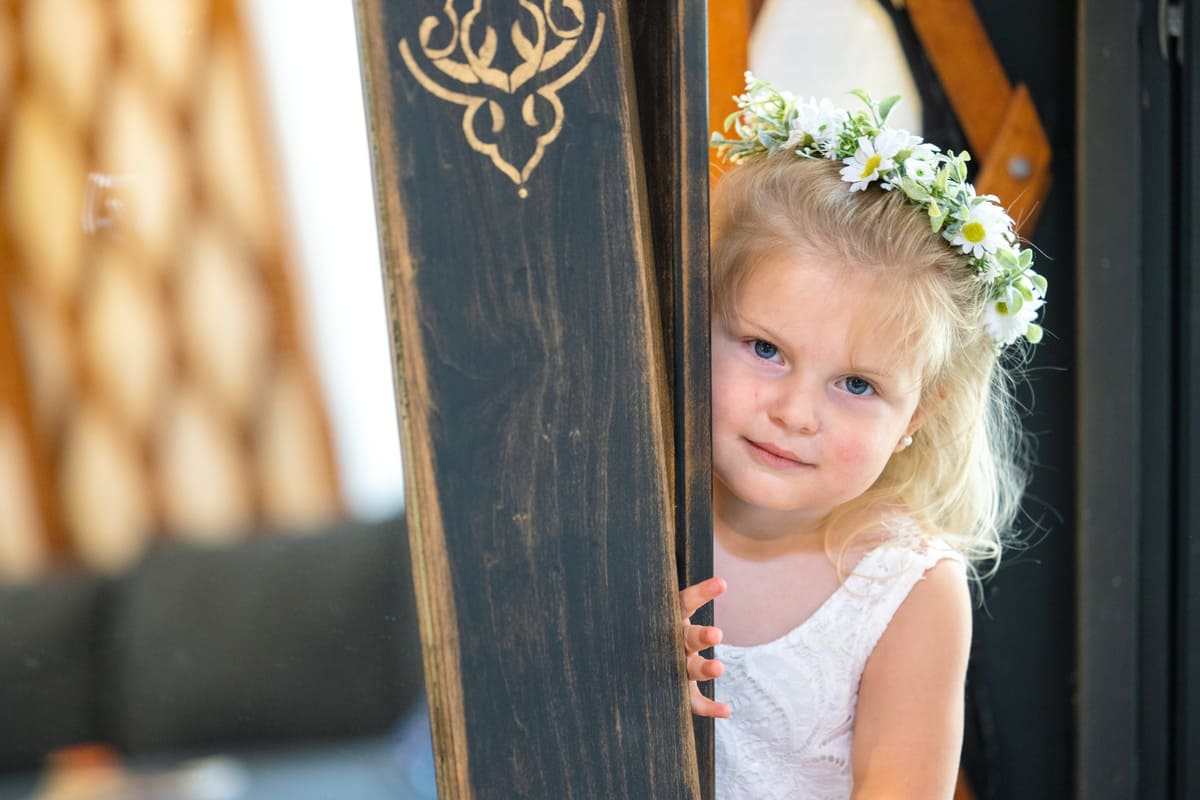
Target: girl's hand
x,y
697,638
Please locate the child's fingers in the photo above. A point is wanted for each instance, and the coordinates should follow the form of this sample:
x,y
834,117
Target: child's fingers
x,y
700,668
699,637
697,595
703,707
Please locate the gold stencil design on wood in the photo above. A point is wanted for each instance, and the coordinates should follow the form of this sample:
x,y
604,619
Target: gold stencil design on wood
x,y
519,78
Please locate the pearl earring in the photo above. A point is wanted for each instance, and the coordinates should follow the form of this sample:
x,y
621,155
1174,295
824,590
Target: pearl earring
x,y
905,442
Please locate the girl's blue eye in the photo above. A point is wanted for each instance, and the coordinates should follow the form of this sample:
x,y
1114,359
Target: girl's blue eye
x,y
764,349
858,386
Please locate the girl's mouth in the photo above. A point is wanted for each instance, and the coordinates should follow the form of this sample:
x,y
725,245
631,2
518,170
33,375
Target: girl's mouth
x,y
775,456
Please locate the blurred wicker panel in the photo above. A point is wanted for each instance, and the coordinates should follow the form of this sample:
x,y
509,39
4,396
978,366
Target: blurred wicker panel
x,y
103,488
157,368
22,550
25,501
7,50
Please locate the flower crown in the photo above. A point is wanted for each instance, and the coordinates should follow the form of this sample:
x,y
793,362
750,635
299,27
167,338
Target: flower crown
x,y
770,122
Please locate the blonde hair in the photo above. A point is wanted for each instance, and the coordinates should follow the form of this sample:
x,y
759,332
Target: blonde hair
x,y
962,477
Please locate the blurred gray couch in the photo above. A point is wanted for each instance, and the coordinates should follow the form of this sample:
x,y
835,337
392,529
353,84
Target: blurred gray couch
x,y
278,640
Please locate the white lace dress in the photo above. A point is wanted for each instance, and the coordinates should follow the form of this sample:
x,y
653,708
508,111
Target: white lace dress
x,y
793,699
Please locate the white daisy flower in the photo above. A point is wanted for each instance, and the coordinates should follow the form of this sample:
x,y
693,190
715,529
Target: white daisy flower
x,y
984,227
914,153
829,147
871,158
890,142
911,142
922,164
753,96
818,121
992,268
921,171
1006,327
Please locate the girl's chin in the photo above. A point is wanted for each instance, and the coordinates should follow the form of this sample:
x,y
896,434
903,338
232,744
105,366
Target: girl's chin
x,y
758,497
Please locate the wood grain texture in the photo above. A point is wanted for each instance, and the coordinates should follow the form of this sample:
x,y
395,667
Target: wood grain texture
x,y
533,401
431,569
670,59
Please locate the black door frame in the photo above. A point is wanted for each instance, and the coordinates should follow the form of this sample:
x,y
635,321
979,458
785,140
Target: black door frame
x,y
1138,635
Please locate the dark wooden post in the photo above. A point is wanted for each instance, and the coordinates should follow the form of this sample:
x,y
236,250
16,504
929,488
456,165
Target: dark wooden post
x,y
670,47
535,392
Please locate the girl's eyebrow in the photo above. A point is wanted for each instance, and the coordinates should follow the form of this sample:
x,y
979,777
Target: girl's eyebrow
x,y
883,376
758,327
765,328
875,376
870,371
770,334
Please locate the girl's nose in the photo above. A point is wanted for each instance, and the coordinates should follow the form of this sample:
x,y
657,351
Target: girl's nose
x,y
795,409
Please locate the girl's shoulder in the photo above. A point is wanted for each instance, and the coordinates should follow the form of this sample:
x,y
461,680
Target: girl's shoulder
x,y
919,586
902,559
928,598
908,586
911,688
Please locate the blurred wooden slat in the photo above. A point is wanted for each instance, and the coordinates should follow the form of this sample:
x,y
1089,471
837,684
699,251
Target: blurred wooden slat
x,y
1017,167
966,64
533,398
1001,125
729,26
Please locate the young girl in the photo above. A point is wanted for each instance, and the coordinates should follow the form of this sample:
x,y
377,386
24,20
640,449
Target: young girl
x,y
864,449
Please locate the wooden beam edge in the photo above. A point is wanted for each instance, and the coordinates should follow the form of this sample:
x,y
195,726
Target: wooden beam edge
x,y
432,577
664,442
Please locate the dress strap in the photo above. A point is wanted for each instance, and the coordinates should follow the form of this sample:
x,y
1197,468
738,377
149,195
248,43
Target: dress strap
x,y
880,583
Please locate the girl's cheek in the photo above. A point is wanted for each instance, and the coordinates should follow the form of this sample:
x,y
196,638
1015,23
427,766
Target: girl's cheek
x,y
850,451
721,394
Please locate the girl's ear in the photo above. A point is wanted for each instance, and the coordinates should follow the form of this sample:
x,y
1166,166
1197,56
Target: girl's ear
x,y
925,409
914,424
